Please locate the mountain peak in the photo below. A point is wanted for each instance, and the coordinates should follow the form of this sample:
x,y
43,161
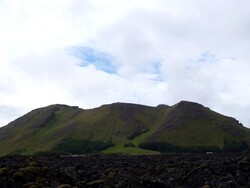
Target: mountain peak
x,y
188,103
189,109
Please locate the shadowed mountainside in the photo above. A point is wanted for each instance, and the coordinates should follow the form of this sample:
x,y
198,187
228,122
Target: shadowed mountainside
x,y
123,128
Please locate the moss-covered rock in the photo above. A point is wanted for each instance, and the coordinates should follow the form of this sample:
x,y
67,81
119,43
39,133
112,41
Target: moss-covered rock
x,y
65,186
95,183
30,185
3,171
18,176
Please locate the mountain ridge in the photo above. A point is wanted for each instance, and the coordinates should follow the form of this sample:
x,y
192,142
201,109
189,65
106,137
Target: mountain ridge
x,y
123,128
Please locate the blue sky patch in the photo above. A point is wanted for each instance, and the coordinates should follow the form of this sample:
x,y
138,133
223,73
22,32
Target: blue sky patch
x,y
201,60
100,60
155,69
206,57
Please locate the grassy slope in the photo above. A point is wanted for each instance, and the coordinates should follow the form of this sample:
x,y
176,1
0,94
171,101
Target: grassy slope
x,y
43,129
153,118
207,131
32,132
101,123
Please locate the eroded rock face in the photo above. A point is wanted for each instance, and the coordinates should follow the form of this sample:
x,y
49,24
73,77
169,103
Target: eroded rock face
x,y
186,170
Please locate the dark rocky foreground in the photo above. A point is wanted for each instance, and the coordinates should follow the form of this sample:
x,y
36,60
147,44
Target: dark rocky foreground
x,y
189,170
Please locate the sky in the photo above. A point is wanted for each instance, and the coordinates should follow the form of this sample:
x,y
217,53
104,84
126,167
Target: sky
x,y
88,53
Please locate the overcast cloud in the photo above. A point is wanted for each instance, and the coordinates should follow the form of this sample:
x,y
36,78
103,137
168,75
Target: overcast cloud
x,y
89,53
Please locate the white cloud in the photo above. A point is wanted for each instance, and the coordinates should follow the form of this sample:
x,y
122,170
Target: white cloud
x,y
164,51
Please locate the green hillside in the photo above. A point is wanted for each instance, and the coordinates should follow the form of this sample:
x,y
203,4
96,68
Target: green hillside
x,y
191,124
123,128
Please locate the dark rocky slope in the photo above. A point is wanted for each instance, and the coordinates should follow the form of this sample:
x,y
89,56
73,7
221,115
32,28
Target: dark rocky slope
x,y
196,170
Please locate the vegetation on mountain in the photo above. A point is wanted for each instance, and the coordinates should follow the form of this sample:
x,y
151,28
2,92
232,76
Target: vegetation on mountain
x,y
166,147
123,128
74,146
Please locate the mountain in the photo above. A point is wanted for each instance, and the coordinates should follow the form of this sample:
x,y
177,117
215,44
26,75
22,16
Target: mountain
x,y
123,128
